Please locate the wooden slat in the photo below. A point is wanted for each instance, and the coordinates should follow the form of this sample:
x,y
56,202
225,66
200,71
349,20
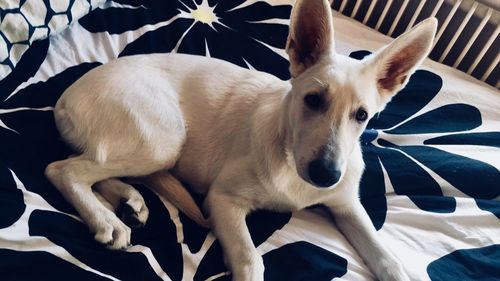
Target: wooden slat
x,y
492,66
370,11
458,32
473,38
398,17
415,15
447,21
485,48
384,13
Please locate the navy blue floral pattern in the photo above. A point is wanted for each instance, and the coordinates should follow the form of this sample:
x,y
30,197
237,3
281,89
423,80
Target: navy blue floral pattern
x,y
408,165
30,140
236,34
24,22
453,266
251,34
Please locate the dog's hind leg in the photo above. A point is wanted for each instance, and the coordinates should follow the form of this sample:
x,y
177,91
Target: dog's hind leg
x,y
128,204
104,201
123,131
74,178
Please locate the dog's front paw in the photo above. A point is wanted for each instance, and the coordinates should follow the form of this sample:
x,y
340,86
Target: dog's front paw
x,y
111,231
133,212
249,269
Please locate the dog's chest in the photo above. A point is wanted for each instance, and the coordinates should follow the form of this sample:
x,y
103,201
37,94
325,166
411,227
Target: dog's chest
x,y
286,191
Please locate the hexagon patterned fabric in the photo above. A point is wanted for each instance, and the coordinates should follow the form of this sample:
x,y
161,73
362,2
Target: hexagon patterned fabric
x,y
24,21
431,185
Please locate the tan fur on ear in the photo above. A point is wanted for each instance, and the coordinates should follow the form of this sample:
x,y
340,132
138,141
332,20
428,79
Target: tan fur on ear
x,y
396,62
166,185
311,34
394,74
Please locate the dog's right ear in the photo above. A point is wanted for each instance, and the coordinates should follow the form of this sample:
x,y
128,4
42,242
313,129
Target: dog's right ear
x,y
311,34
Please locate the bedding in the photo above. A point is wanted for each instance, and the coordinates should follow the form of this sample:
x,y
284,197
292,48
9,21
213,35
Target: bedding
x,y
431,185
22,22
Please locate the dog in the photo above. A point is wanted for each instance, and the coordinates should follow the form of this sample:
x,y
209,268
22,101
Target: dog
x,y
245,138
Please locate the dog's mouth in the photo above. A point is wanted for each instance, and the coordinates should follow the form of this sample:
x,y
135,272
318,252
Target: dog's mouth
x,y
322,185
328,182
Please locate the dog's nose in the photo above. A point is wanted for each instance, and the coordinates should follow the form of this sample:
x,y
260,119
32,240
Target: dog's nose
x,y
324,173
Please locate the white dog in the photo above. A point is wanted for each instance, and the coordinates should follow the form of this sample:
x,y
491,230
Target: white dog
x,y
245,138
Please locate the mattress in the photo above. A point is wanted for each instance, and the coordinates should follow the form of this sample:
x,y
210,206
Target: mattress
x,y
431,185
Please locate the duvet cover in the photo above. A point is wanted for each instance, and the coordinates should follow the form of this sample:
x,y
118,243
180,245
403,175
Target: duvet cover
x,y
431,185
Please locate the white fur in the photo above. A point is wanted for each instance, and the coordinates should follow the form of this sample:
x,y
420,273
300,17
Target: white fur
x,y
240,136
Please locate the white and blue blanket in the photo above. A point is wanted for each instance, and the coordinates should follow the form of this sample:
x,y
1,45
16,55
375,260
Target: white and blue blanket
x,y
431,186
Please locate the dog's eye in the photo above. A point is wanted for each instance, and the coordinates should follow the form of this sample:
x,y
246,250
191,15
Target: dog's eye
x,y
313,101
361,115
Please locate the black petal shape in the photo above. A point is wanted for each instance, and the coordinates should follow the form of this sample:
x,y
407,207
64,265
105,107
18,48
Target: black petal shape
x,y
436,204
480,264
77,240
459,170
492,206
160,235
256,54
407,177
189,3
40,95
368,136
486,139
422,87
224,5
119,20
42,267
257,11
25,68
37,142
218,47
376,207
464,117
261,224
11,199
194,235
372,187
271,33
161,40
211,264
303,261
28,157
194,41
30,124
359,55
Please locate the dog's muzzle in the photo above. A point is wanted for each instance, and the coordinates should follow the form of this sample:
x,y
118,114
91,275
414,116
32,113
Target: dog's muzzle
x,y
324,173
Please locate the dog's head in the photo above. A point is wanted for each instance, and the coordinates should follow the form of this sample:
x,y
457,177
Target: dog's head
x,y
334,96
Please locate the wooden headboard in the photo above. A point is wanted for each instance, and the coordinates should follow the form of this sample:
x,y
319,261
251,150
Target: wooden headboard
x,y
468,34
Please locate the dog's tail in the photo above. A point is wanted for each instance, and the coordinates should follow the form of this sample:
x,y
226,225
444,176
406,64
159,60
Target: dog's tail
x,y
167,186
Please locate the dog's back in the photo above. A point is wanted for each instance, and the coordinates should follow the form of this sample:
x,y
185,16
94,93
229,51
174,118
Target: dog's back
x,y
206,101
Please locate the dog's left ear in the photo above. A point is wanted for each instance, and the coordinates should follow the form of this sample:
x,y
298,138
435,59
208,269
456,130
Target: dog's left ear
x,y
393,65
311,34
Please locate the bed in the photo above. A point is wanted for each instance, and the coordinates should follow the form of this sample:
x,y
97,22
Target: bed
x,y
431,186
